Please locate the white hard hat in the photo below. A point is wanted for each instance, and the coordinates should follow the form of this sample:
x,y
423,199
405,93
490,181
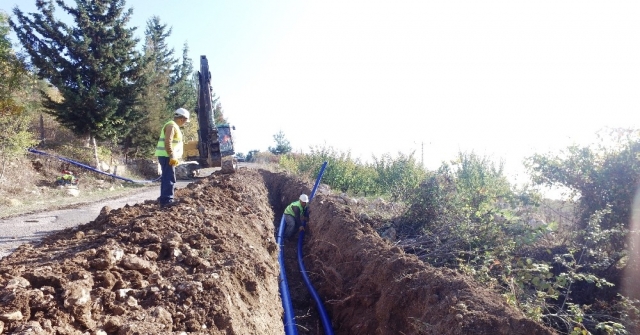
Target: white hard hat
x,y
182,112
304,198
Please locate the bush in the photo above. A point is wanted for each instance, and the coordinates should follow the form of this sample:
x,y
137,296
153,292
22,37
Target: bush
x,y
394,177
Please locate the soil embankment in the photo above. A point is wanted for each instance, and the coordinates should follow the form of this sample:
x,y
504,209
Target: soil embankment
x,y
209,265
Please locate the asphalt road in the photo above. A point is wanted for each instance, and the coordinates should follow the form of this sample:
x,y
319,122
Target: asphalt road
x,y
17,230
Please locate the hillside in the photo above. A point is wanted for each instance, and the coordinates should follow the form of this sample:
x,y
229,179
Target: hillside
x,y
209,265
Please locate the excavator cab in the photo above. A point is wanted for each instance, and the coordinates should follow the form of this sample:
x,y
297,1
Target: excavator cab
x,y
226,140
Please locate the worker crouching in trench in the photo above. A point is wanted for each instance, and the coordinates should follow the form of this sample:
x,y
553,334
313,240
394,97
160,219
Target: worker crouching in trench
x,y
294,214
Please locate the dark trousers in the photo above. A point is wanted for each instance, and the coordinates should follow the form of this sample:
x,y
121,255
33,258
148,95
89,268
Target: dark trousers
x,y
167,181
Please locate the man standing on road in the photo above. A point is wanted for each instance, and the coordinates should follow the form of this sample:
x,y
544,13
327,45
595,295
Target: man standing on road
x,y
294,213
169,150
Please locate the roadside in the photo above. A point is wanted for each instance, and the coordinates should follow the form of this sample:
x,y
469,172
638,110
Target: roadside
x,y
38,217
25,228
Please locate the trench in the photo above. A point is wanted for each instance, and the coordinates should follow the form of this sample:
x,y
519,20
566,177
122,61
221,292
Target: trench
x,y
370,286
208,266
281,193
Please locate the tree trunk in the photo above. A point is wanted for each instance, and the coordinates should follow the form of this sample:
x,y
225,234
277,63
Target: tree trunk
x,y
4,162
95,152
41,128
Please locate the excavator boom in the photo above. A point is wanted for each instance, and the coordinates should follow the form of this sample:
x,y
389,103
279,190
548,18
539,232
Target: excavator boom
x,y
214,141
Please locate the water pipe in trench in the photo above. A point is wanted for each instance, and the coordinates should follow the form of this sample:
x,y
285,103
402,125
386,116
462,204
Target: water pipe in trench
x,y
326,322
290,327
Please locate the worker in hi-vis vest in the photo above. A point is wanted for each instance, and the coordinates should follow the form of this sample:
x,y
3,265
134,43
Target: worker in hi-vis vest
x,y
294,213
169,150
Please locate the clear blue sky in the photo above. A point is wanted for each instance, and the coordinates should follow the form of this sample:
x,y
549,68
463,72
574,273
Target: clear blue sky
x,y
505,79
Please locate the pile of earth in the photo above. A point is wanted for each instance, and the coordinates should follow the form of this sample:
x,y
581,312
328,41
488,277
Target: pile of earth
x,y
209,265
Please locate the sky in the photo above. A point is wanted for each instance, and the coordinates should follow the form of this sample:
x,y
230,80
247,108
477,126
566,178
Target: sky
x,y
503,79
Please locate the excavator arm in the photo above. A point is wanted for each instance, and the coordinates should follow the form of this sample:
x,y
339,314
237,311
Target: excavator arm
x,y
209,143
215,142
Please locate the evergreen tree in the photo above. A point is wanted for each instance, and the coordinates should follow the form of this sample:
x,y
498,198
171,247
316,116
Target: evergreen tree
x,y
157,49
282,144
218,113
182,88
158,65
182,92
93,64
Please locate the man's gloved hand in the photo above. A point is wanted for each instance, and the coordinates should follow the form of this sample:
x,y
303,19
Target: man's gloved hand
x,y
173,162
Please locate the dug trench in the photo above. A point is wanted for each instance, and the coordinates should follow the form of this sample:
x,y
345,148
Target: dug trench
x,y
210,265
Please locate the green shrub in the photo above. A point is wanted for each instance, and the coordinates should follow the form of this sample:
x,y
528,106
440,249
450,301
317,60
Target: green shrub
x,y
394,177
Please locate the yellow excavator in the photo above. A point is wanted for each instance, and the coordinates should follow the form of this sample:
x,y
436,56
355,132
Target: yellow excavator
x,y
214,147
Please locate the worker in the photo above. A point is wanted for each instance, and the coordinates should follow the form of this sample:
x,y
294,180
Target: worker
x,y
169,150
294,214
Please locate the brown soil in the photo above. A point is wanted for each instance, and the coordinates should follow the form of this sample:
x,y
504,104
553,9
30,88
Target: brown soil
x,y
209,265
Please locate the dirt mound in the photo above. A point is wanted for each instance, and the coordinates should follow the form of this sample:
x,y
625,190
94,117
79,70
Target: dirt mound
x,y
209,265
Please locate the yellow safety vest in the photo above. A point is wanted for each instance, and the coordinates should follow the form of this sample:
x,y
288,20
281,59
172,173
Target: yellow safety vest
x,y
176,142
289,209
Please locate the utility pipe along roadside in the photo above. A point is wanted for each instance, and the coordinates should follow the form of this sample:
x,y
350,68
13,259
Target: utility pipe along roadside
x,y
91,168
290,327
324,317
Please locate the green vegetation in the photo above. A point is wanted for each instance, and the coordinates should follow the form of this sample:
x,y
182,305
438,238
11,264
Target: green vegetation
x,y
93,64
566,270
467,216
394,177
282,144
15,106
157,63
92,80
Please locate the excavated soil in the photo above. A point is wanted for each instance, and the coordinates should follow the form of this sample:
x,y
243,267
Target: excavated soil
x,y
210,265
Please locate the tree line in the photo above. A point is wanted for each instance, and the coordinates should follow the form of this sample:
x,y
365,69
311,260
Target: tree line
x,y
89,74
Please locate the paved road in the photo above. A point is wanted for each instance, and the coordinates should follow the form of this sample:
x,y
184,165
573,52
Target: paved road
x,y
32,227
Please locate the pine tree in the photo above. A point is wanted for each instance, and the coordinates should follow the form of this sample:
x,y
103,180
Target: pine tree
x,y
282,144
218,112
183,94
158,66
93,63
182,89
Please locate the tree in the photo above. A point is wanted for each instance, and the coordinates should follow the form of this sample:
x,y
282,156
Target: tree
x,y
154,103
218,112
182,92
282,144
93,64
182,89
12,71
605,180
251,155
14,80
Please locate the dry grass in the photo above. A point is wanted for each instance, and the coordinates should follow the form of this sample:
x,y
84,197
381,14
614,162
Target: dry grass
x,y
28,185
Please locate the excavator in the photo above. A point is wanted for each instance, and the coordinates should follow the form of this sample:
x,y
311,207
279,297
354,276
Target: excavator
x,y
214,147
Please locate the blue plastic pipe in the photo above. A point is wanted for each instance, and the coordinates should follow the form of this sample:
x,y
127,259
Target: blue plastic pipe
x,y
326,322
290,327
90,168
